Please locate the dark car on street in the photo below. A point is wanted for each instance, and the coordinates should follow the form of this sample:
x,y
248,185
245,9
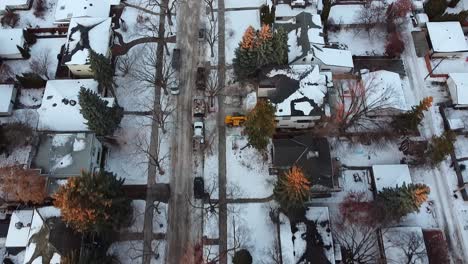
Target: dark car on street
x,y
176,59
198,188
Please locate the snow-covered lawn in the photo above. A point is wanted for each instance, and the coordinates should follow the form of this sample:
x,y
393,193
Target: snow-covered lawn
x,y
31,97
134,95
132,251
359,42
211,225
160,218
254,229
247,172
138,218
26,116
128,159
236,24
243,3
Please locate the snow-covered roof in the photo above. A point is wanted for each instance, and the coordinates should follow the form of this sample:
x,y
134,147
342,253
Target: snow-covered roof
x,y
67,9
285,10
321,215
312,86
315,34
78,44
447,36
398,240
334,57
390,176
4,4
9,39
345,14
55,114
18,230
461,82
6,96
385,89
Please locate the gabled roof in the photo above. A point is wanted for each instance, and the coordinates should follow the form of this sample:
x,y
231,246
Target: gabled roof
x,y
333,57
390,176
9,39
67,9
84,34
447,36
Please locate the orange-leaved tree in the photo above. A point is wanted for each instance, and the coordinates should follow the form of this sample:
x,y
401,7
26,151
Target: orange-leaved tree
x,y
248,39
292,189
18,184
94,202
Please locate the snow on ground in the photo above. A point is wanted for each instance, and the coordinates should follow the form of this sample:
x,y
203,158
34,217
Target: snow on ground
x,y
132,251
211,225
461,147
25,116
246,170
165,144
254,229
211,168
358,42
138,218
244,3
236,24
44,48
210,252
133,139
31,97
355,154
447,66
133,95
160,217
28,19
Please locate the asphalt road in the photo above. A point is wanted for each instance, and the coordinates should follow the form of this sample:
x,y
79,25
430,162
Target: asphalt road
x,y
181,235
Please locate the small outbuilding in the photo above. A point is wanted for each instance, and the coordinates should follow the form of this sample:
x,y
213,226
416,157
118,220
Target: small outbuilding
x,y
447,39
458,87
390,176
7,99
10,40
18,231
67,9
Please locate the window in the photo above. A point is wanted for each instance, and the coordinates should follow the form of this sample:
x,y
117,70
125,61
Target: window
x,y
98,157
304,121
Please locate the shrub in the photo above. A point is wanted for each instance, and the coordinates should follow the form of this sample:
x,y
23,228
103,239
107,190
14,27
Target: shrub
x,y
260,125
40,6
14,135
435,8
31,80
10,18
242,257
440,147
29,37
395,46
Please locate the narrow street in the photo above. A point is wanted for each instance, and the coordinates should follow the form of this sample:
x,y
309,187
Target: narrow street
x,y
181,234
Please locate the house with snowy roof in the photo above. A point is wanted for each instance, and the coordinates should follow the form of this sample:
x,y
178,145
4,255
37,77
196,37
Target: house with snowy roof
x,y
10,40
14,5
446,39
390,176
86,34
42,235
299,94
384,93
60,109
65,10
458,87
7,99
404,245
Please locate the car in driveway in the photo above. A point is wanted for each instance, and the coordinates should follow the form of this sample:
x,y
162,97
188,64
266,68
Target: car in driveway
x,y
199,131
198,188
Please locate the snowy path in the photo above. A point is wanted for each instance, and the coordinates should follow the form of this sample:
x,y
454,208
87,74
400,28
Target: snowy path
x,y
446,216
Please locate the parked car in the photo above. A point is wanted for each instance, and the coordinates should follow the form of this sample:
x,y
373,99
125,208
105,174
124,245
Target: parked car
x,y
201,34
201,78
175,59
174,89
199,131
198,107
198,188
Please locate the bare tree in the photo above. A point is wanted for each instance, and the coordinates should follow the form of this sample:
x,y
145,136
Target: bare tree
x,y
40,63
125,64
210,5
372,14
156,159
135,250
212,34
357,103
162,113
412,246
359,241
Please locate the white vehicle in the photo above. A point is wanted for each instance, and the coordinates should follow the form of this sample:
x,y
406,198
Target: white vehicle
x,y
174,90
198,131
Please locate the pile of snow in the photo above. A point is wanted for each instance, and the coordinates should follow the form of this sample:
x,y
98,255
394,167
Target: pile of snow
x,y
63,162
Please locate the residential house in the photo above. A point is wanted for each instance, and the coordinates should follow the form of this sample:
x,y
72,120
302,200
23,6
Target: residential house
x,y
345,14
299,95
14,5
287,10
86,34
42,235
310,154
398,242
60,109
60,156
65,10
446,39
458,87
10,40
7,99
384,93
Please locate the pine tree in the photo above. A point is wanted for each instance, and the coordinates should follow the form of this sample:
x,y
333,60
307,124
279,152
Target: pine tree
x,y
440,147
280,47
435,8
292,189
248,39
409,121
94,202
394,203
102,119
260,125
102,71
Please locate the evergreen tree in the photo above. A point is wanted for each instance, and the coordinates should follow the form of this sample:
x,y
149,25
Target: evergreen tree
x,y
435,8
280,47
102,119
292,189
25,52
30,38
94,202
102,71
260,125
409,121
242,257
440,147
394,203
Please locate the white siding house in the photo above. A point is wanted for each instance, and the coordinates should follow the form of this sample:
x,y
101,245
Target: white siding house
x,y
458,87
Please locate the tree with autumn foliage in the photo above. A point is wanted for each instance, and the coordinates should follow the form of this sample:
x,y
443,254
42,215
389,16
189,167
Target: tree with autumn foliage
x,y
410,120
260,125
94,202
395,45
18,184
394,203
292,189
